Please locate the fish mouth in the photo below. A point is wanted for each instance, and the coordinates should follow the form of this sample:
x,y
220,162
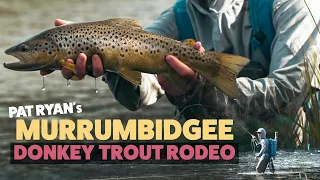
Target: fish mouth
x,y
23,64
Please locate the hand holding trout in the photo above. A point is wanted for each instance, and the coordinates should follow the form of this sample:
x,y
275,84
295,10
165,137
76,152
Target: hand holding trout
x,y
81,60
125,47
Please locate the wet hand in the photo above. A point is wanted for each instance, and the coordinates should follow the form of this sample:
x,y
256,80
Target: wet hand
x,y
184,81
81,67
80,63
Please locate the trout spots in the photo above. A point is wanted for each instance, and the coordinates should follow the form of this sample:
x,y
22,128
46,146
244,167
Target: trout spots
x,y
103,37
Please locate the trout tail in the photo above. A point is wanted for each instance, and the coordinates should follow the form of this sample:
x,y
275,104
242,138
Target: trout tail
x,y
223,71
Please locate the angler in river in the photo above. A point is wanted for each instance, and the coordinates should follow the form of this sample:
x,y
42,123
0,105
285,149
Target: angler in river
x,y
272,83
265,154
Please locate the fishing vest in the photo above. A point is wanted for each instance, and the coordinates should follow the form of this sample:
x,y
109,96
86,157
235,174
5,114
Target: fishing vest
x,y
263,33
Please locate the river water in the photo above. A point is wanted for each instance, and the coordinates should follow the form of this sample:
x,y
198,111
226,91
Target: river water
x,y
21,19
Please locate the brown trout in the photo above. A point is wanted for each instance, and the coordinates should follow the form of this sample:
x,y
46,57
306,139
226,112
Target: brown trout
x,y
126,48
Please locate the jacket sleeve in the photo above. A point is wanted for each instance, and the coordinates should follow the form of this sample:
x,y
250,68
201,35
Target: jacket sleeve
x,y
134,97
285,86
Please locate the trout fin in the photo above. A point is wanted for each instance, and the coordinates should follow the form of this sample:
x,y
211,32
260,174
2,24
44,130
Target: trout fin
x,y
224,77
68,65
124,22
132,76
75,78
189,42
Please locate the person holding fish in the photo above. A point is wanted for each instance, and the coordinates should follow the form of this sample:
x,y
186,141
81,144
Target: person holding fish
x,y
272,83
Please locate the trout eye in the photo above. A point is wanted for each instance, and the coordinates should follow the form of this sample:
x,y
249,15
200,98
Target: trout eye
x,y
24,48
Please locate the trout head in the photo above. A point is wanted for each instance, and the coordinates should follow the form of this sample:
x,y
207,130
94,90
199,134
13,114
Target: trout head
x,y
37,53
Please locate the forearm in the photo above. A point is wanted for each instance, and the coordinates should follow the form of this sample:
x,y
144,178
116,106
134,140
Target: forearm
x,y
124,92
205,101
270,95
